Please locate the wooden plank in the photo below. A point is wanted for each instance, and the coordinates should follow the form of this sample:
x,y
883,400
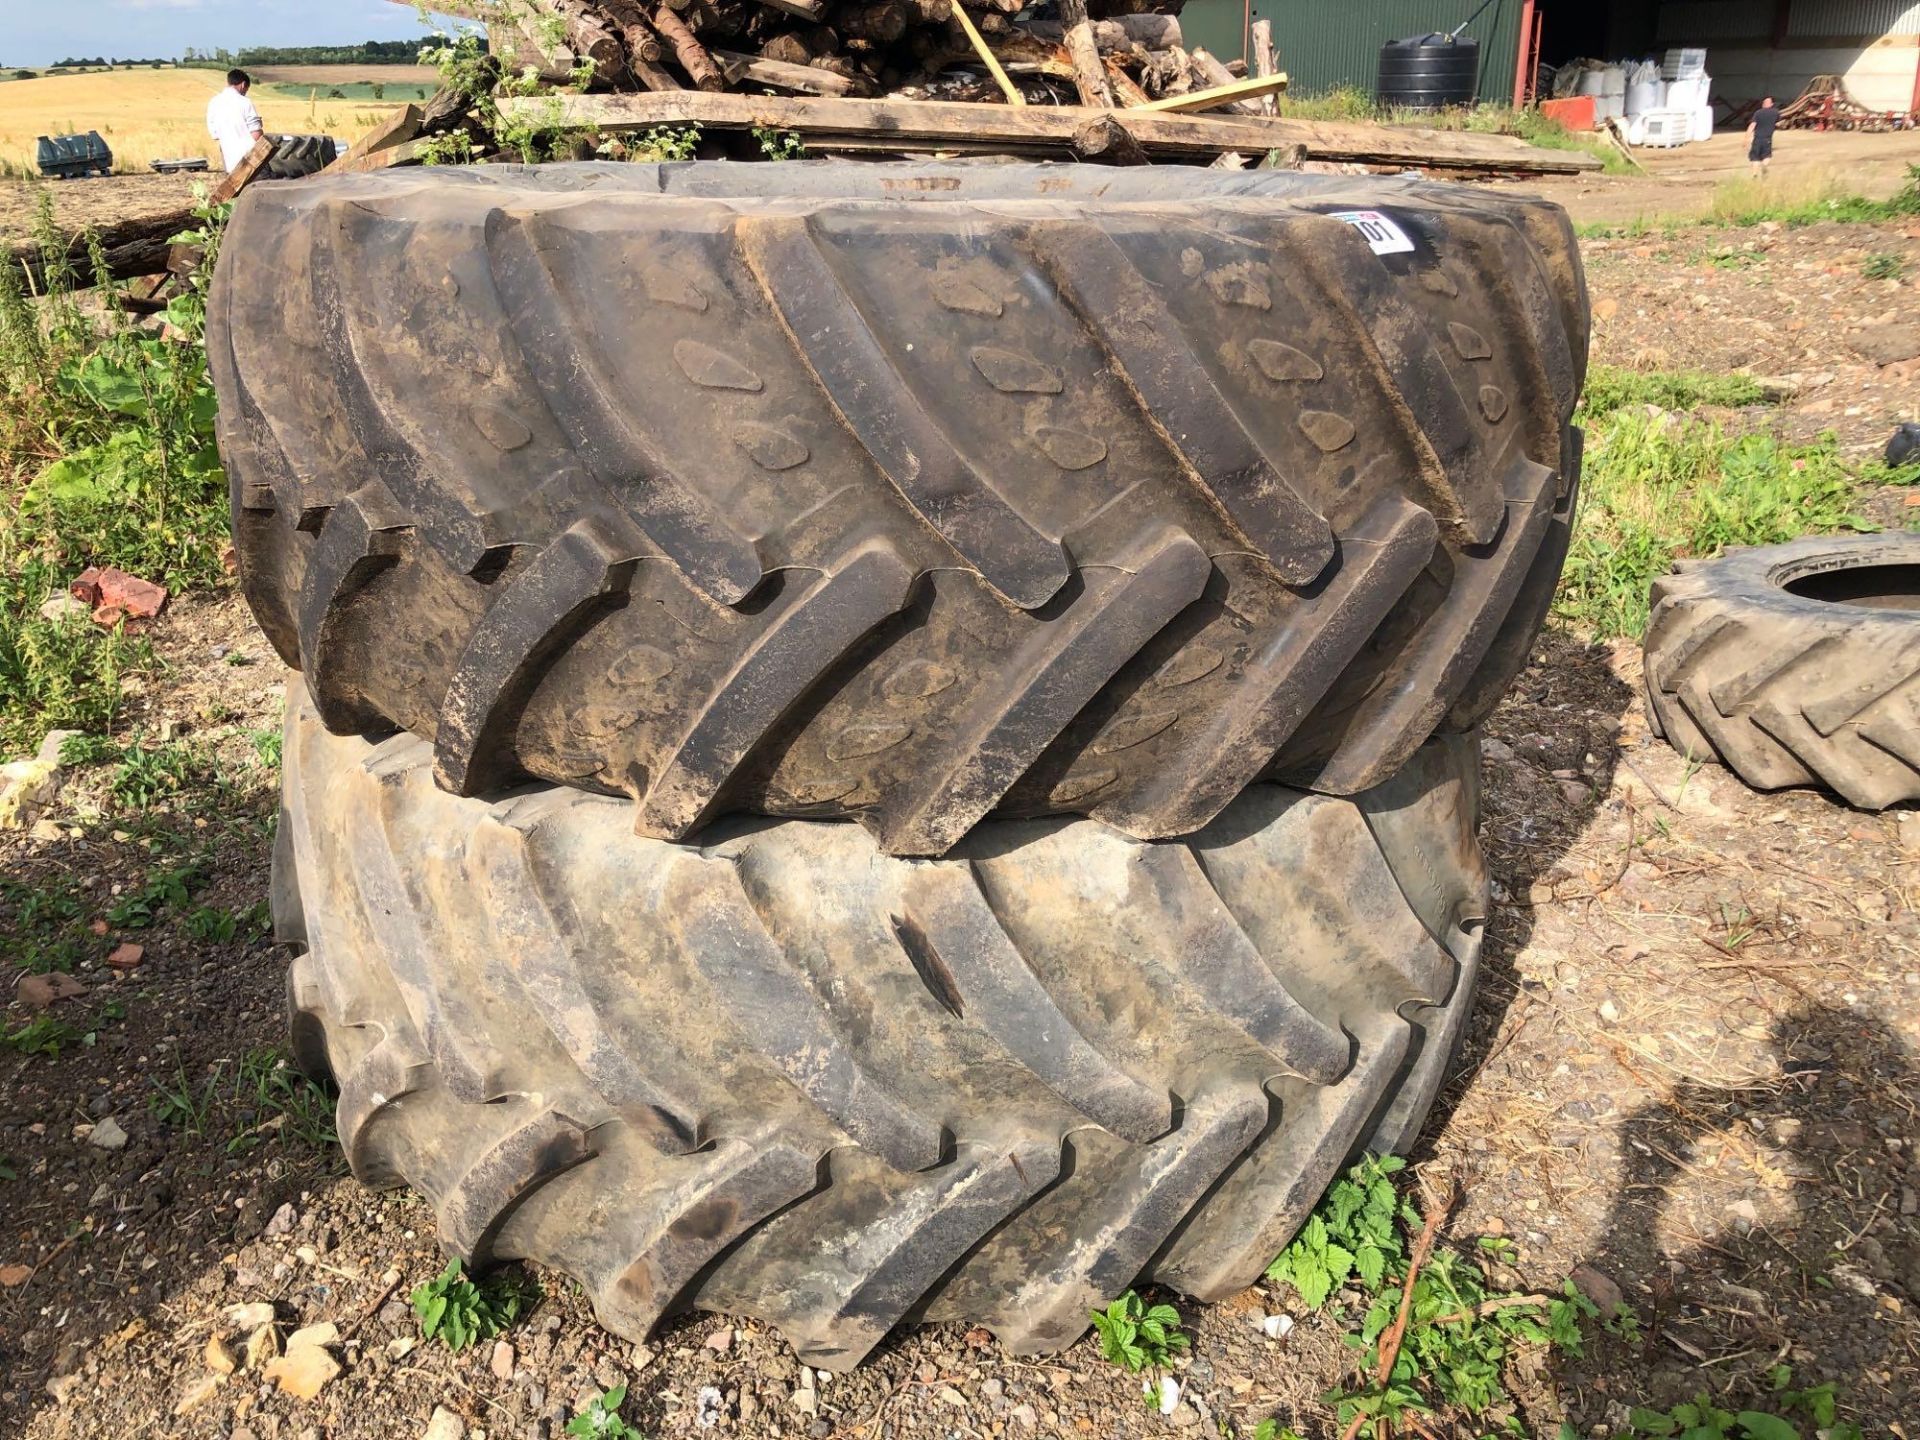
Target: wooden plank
x,y
408,153
934,125
396,129
979,43
242,174
1215,96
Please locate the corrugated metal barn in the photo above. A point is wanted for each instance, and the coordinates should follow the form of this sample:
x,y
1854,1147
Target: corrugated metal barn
x,y
1754,47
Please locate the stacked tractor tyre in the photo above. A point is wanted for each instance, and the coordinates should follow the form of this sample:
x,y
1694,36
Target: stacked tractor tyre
x,y
888,743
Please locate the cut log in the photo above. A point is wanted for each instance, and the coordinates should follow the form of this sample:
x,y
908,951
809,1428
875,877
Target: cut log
x,y
922,125
447,108
804,9
590,35
396,129
929,12
1151,32
1089,75
1125,89
788,49
1264,62
884,20
780,75
132,247
688,50
1222,95
1210,75
641,40
1123,32
1104,140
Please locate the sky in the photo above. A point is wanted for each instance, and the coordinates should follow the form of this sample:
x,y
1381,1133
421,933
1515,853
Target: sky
x,y
38,32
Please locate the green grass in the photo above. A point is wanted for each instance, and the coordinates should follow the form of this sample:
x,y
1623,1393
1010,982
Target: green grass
x,y
50,1034
361,90
1614,387
164,890
1743,202
1661,484
259,1096
41,928
1352,103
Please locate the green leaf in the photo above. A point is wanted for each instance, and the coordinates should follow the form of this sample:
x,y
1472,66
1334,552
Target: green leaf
x,y
113,386
1765,1427
1313,1282
1651,1422
1339,1264
1313,1235
1371,1264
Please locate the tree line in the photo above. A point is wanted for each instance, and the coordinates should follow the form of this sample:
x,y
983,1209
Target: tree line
x,y
368,52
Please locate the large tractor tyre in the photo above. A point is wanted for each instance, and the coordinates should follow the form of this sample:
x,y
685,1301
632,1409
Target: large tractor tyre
x,y
297,156
1795,664
896,492
783,1074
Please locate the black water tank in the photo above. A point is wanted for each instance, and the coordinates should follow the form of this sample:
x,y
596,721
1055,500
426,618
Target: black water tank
x,y
1425,72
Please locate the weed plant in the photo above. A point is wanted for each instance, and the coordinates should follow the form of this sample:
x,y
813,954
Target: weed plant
x,y
107,457
460,1312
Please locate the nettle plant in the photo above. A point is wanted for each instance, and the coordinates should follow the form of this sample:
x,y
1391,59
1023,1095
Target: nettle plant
x,y
1459,1330
1136,1336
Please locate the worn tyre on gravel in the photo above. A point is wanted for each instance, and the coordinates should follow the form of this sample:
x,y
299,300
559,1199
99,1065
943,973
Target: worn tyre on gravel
x,y
907,493
1795,664
782,1074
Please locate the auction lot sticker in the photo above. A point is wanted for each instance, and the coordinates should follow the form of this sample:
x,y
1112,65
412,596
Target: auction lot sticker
x,y
1383,237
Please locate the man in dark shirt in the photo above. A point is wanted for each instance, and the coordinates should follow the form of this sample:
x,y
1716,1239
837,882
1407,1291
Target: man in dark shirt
x,y
1760,150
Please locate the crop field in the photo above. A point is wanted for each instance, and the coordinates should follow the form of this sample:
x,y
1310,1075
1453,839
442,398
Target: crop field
x,y
149,114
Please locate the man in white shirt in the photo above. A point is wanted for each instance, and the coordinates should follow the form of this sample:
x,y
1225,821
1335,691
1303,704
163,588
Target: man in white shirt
x,y
232,120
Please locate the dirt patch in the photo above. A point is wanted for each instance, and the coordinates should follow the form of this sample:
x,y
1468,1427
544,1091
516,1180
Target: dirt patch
x,y
1679,183
1693,1066
102,200
1797,305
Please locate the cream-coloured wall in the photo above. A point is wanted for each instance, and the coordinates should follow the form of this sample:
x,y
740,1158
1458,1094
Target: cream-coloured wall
x,y
1879,77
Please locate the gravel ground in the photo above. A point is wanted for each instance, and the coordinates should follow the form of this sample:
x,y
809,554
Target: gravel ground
x,y
1692,1068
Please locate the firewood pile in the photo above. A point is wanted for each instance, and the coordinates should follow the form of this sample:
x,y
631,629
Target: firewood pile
x,y
1102,53
1112,81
